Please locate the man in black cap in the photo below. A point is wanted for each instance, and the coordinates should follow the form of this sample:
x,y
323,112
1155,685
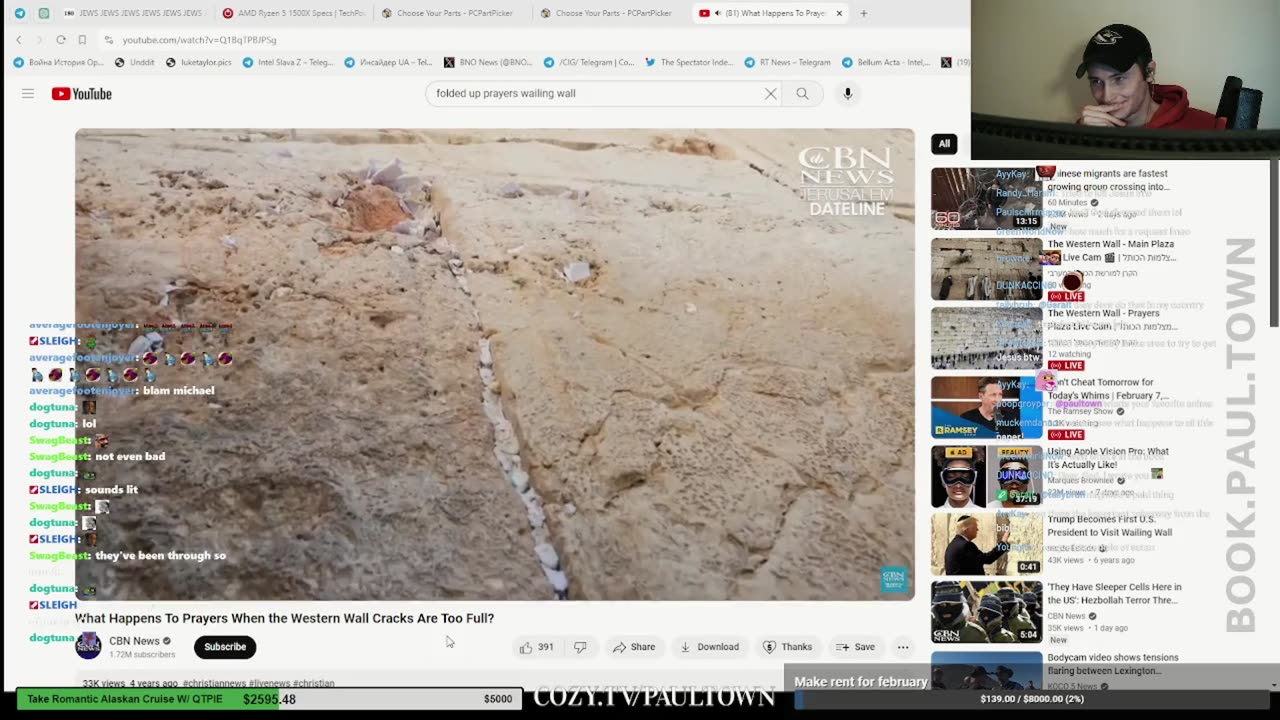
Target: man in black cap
x,y
1033,609
1122,76
991,617
951,621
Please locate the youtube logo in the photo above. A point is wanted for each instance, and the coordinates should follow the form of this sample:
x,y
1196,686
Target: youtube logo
x,y
80,94
704,13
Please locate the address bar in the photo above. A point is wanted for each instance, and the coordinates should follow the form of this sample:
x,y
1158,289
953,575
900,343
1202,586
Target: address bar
x,y
624,93
356,41
147,40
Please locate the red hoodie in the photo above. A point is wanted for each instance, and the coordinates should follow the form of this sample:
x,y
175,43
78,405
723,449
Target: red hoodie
x,y
1175,111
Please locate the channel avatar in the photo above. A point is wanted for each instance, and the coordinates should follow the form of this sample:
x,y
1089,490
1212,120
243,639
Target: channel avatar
x,y
88,645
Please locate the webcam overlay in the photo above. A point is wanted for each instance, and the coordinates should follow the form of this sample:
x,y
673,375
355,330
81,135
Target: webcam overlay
x,y
987,407
1118,79
496,364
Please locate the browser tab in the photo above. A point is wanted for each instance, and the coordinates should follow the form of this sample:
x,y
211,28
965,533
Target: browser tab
x,y
771,13
491,13
631,14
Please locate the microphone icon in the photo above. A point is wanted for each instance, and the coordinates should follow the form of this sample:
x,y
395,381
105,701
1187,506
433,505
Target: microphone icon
x,y
848,93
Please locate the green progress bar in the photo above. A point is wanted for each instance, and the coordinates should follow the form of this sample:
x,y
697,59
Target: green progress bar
x,y
148,699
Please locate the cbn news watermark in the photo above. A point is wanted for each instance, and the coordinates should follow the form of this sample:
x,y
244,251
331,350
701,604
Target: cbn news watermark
x,y
654,697
846,181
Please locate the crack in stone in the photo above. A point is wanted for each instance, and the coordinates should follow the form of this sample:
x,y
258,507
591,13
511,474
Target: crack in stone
x,y
767,550
506,444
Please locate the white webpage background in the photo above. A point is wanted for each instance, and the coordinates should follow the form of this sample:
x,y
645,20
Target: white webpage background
x,y
39,225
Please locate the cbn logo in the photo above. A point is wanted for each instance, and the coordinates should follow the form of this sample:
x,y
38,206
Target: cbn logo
x,y
894,579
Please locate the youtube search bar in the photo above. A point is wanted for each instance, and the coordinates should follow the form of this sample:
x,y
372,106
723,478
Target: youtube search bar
x,y
624,93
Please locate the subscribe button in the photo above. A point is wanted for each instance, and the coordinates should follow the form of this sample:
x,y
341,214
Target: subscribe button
x,y
225,647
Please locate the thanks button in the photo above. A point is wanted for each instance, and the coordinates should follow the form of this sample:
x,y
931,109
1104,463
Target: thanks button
x,y
225,647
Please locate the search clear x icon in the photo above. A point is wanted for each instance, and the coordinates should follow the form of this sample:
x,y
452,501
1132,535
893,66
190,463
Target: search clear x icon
x,y
770,93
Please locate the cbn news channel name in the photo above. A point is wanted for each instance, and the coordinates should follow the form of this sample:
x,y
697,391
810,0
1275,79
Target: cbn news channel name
x,y
654,697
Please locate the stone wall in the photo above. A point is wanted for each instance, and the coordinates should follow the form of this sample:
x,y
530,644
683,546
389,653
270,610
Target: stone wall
x,y
964,258
987,338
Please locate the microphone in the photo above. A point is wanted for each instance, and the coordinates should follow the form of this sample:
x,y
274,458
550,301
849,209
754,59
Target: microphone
x,y
1248,108
1227,103
848,93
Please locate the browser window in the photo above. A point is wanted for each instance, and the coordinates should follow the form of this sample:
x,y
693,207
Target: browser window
x,y
508,355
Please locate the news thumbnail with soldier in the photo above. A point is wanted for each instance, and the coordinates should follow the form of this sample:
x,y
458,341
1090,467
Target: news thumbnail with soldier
x,y
1007,611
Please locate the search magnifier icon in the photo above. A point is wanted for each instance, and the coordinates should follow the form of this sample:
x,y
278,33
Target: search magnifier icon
x,y
802,93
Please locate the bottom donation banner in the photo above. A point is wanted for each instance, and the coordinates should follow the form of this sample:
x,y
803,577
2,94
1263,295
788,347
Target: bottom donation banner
x,y
269,698
754,702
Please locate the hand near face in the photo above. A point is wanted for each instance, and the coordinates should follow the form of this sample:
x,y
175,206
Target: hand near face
x,y
1100,116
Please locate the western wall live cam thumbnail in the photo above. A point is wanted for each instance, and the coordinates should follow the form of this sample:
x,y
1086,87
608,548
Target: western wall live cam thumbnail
x,y
1136,79
506,364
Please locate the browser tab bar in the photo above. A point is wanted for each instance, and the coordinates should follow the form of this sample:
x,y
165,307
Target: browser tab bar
x,y
771,13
